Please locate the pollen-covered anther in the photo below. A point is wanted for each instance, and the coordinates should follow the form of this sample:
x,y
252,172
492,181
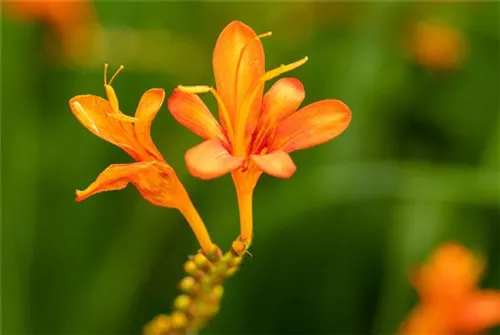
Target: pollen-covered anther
x,y
194,89
268,34
283,69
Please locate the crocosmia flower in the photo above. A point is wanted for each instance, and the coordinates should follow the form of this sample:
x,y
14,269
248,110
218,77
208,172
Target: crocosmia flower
x,y
256,131
450,302
150,174
71,22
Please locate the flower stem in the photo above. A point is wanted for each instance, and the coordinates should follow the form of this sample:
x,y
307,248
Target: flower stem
x,y
245,196
198,227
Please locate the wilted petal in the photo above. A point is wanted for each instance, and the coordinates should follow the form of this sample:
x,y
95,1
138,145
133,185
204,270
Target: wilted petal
x,y
95,114
190,111
282,99
314,124
156,181
278,164
210,160
149,105
480,312
238,62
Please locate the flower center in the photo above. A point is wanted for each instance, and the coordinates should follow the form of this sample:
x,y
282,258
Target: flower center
x,y
242,144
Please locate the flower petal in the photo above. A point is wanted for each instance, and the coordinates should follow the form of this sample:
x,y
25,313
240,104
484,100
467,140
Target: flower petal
x,y
314,124
95,114
452,273
238,62
190,111
149,105
156,181
278,164
210,160
480,312
282,99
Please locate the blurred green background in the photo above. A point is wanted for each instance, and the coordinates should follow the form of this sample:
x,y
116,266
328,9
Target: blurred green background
x,y
419,165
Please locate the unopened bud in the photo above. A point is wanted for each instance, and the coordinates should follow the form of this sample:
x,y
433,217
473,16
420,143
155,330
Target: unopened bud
x,y
181,303
179,320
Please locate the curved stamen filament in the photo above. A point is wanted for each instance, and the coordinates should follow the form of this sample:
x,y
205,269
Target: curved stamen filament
x,y
238,64
243,116
106,83
223,110
110,92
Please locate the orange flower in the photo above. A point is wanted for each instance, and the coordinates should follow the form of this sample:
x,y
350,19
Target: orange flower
x,y
450,302
436,46
70,21
257,131
151,175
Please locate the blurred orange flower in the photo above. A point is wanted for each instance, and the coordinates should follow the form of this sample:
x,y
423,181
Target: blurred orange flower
x,y
450,302
72,22
436,46
151,175
257,131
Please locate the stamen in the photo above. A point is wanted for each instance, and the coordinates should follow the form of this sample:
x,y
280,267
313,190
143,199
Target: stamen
x,y
116,73
123,117
238,64
282,69
224,113
194,89
106,74
243,117
269,33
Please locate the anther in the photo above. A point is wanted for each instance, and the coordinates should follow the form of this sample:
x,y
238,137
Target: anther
x,y
194,89
269,33
282,69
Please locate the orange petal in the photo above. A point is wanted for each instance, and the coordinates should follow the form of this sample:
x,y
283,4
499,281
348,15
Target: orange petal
x,y
278,164
282,99
149,105
95,114
314,124
451,273
210,160
238,62
425,320
481,311
156,181
190,111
